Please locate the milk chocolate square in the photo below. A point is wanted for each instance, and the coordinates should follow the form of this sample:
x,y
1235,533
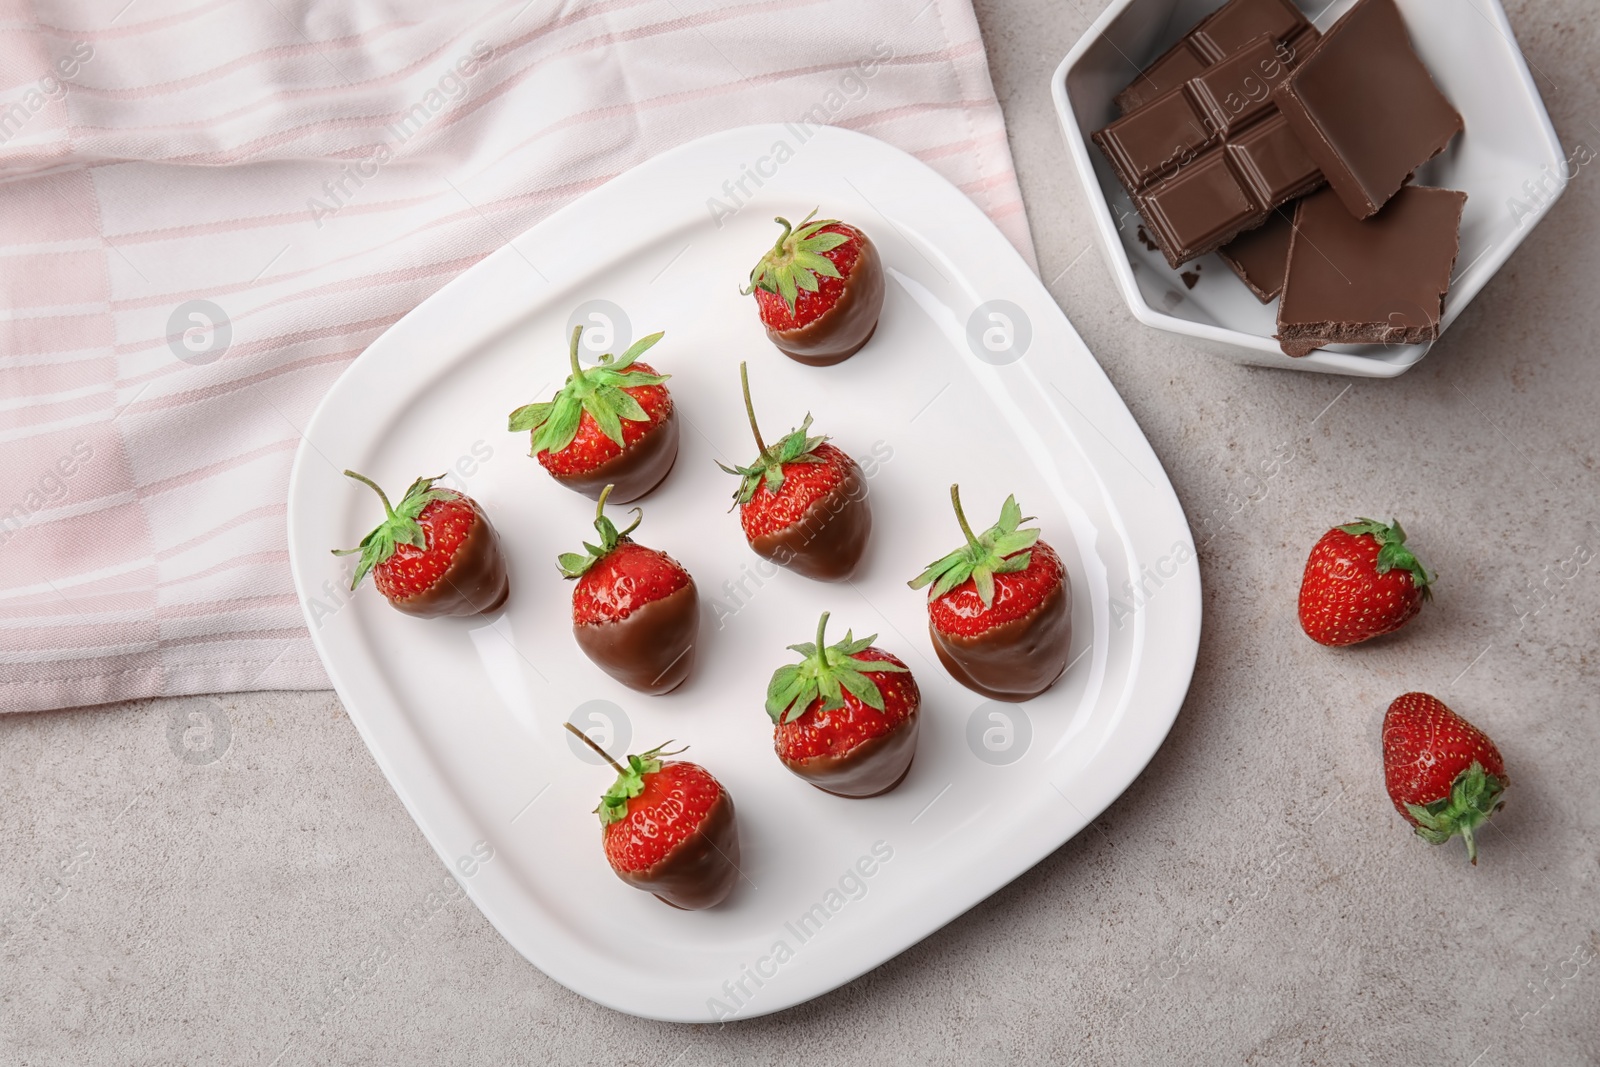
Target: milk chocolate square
x,y
1232,25
1272,163
1366,108
1212,39
1379,280
1155,140
1237,91
1197,209
1177,65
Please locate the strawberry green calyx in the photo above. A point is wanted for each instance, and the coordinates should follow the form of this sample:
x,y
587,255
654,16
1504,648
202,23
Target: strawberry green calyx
x,y
794,447
1001,549
1392,551
827,671
796,259
399,525
1474,796
575,566
597,390
630,779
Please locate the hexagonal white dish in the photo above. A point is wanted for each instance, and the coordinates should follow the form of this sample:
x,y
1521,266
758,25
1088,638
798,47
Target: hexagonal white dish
x,y
465,716
1508,161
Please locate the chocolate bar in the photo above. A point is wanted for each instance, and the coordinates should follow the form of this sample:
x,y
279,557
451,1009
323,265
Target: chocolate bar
x,y
1365,108
1260,257
1212,40
1379,280
1211,158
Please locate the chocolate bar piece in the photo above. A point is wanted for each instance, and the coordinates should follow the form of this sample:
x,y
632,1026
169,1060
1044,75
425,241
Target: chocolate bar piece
x,y
1213,39
1273,166
1212,157
1212,200
1366,108
1379,280
1219,102
1198,209
1157,139
1260,257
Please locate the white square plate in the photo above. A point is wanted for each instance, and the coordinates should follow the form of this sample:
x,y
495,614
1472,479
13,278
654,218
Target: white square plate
x,y
1508,161
465,716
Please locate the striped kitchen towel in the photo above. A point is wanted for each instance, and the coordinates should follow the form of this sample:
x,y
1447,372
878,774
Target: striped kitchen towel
x,y
209,207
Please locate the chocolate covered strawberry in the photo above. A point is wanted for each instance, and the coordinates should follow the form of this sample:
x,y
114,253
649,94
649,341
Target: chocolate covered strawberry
x,y
1000,608
845,717
635,611
611,424
1444,774
433,554
820,290
668,828
803,502
1361,581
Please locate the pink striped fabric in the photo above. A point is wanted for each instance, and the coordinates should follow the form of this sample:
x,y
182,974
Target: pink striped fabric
x,y
315,168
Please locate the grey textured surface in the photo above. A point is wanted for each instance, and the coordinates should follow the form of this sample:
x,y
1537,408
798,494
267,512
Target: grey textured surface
x,y
1251,899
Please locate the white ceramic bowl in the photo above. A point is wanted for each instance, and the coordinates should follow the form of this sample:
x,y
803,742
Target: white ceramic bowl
x,y
1508,161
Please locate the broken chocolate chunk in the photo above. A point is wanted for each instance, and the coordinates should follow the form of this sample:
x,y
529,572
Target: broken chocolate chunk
x,y
1365,108
1260,257
1380,280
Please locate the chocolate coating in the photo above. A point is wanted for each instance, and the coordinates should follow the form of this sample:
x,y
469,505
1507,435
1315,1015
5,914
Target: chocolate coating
x,y
701,869
1016,660
829,539
870,769
475,583
636,471
652,648
843,329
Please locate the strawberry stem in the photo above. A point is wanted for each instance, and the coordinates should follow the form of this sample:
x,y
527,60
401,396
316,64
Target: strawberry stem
x,y
961,517
827,675
572,565
388,509
1003,548
787,229
586,739
750,409
399,526
572,353
1474,795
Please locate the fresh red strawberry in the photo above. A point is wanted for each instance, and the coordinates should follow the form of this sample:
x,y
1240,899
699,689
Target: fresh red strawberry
x,y
1361,581
845,717
635,611
819,290
1444,774
668,828
1000,608
803,502
435,554
612,424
